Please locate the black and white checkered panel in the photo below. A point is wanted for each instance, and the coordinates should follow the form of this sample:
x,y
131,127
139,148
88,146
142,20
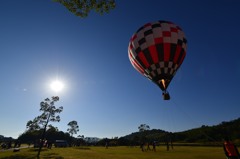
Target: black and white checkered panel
x,y
177,35
162,70
145,37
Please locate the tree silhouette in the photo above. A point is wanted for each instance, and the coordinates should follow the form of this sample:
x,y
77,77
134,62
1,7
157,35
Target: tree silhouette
x,y
143,127
74,128
49,112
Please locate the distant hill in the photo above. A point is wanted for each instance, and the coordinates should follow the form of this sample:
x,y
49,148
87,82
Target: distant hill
x,y
230,129
203,134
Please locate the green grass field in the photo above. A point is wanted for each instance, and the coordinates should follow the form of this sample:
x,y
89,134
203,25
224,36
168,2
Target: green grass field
x,y
179,152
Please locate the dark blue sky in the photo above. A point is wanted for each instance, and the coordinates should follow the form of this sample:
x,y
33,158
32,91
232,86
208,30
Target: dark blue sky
x,y
41,41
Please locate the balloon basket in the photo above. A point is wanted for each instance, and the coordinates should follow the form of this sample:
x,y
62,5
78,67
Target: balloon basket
x,y
166,96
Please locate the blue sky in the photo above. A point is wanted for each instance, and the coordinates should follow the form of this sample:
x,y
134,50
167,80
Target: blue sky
x,y
41,41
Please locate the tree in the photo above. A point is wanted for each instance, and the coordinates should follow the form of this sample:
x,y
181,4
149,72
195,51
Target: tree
x,y
143,127
49,112
81,8
73,127
52,128
80,136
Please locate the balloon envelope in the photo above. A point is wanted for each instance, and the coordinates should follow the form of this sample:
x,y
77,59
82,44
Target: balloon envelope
x,y
157,50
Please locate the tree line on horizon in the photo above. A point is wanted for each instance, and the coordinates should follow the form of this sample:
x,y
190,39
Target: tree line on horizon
x,y
206,135
39,130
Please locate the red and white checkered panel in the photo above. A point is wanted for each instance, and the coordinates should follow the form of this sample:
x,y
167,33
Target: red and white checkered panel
x,y
157,50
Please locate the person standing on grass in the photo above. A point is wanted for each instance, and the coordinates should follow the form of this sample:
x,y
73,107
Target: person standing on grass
x,y
148,147
154,146
167,144
106,145
171,143
230,150
142,147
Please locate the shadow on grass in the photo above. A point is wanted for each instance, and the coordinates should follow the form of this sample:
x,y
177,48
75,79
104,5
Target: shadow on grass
x,y
29,156
18,156
51,156
83,148
36,150
48,155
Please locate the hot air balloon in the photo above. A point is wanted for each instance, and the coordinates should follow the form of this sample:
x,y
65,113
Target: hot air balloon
x,y
157,50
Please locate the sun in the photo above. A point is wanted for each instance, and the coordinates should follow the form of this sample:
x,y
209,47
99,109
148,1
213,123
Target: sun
x,y
57,86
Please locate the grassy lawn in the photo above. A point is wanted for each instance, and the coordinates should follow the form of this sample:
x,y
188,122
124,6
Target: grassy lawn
x,y
179,152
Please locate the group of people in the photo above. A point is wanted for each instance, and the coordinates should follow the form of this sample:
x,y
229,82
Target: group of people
x,y
8,144
169,144
45,143
147,145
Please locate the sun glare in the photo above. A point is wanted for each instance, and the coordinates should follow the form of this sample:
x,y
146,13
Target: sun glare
x,y
57,86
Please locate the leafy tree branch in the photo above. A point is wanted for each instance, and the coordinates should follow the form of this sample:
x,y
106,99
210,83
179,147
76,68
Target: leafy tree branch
x,y
81,8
